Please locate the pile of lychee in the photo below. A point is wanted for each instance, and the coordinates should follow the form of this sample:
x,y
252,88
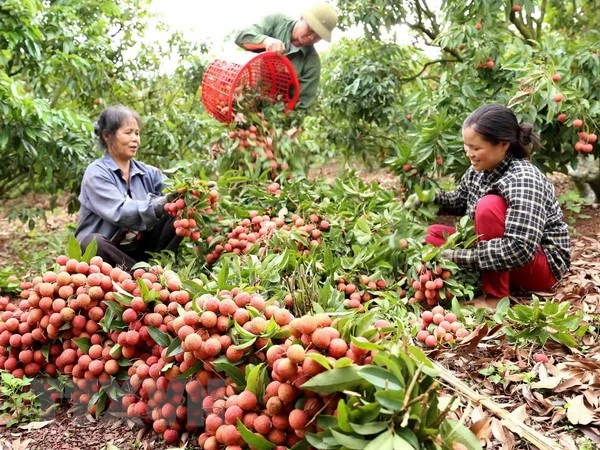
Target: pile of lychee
x,y
156,352
439,327
259,229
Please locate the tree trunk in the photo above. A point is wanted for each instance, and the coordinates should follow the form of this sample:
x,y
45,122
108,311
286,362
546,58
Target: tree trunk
x,y
586,177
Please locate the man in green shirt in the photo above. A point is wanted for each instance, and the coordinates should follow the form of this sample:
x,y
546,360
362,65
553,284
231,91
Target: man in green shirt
x,y
295,39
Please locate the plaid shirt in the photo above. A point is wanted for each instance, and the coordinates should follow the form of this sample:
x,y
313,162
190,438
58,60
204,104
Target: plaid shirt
x,y
533,218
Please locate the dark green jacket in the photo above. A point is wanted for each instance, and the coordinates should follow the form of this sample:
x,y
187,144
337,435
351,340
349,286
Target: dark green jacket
x,y
306,60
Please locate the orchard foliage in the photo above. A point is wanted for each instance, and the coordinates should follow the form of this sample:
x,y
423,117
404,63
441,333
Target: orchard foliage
x,y
61,63
540,58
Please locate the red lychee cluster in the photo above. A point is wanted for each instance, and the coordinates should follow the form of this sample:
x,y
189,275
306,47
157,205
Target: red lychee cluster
x,y
429,286
260,228
439,327
362,292
191,209
262,147
102,325
585,142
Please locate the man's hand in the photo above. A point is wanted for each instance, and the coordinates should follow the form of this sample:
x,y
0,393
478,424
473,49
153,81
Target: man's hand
x,y
274,45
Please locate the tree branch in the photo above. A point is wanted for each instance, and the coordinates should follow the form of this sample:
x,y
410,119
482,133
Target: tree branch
x,y
427,64
420,27
430,16
540,21
453,52
12,74
521,27
118,31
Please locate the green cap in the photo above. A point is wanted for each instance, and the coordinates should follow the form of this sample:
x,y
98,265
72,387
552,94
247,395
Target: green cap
x,y
322,18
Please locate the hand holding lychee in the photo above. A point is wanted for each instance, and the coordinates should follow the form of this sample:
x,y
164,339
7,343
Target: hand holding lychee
x,y
190,206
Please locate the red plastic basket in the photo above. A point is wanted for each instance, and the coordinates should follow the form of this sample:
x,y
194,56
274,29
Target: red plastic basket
x,y
269,72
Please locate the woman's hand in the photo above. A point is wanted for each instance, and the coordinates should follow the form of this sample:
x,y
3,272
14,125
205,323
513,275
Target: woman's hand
x,y
160,202
412,201
447,255
418,198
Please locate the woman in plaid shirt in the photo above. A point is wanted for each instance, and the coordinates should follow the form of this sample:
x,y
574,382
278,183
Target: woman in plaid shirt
x,y
523,241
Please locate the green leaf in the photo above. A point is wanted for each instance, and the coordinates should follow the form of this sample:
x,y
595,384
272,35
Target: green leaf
x,y
409,436
393,400
343,362
550,308
427,365
322,441
255,381
159,336
385,441
90,251
369,427
326,422
328,259
454,431
335,380
174,347
343,414
83,343
115,350
379,377
248,343
302,445
144,290
365,345
321,359
113,317
502,310
243,332
191,371
222,364
124,300
351,442
74,248
99,399
223,276
400,444
564,338
253,439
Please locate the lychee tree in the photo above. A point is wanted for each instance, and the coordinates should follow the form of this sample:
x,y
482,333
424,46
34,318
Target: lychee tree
x,y
540,58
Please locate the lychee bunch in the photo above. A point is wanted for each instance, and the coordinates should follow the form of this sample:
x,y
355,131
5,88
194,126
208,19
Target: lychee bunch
x,y
439,327
192,208
429,286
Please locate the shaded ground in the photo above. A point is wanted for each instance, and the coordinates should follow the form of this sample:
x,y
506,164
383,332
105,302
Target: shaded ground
x,y
568,376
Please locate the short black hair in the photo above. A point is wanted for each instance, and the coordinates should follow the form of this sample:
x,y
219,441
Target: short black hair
x,y
111,119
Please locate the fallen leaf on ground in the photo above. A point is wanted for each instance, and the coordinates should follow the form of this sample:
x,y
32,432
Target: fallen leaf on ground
x,y
578,412
36,425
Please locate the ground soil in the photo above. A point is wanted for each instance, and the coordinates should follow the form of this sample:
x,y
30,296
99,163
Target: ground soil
x,y
73,429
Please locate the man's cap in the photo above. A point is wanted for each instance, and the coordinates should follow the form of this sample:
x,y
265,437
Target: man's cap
x,y
322,18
